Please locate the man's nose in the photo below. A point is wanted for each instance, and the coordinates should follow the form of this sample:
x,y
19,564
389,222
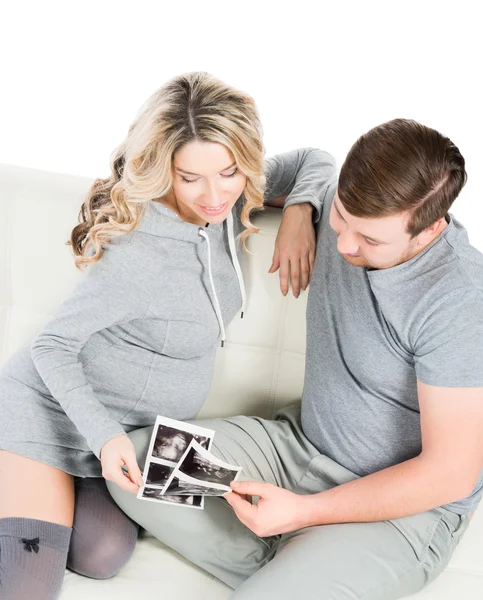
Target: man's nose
x,y
347,243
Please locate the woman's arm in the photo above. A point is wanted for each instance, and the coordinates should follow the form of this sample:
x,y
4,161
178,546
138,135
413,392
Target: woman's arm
x,y
301,175
297,182
107,293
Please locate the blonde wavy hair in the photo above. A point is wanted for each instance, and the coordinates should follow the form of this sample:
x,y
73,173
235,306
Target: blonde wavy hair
x,y
193,106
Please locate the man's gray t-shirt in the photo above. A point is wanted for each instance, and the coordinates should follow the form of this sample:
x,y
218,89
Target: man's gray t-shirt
x,y
371,334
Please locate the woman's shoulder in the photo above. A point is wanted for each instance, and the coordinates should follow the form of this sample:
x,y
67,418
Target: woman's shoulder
x,y
128,257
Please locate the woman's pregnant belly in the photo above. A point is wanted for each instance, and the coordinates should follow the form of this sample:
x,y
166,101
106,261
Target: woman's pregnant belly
x,y
134,384
175,388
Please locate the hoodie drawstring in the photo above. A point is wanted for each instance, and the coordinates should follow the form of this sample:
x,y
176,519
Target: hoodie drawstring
x,y
217,304
236,264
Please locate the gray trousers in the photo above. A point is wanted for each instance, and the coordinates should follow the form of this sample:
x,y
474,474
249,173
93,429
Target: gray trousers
x,y
378,560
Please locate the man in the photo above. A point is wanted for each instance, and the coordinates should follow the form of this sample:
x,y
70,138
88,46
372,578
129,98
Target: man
x,y
366,489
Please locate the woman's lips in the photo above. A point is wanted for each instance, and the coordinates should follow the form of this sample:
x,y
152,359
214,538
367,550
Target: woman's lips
x,y
213,211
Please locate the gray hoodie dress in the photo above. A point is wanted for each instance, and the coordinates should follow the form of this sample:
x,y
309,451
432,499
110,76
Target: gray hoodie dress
x,y
138,335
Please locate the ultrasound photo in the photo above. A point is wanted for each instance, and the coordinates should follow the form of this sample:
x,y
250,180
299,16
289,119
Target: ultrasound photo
x,y
171,441
189,486
154,494
158,474
202,465
179,467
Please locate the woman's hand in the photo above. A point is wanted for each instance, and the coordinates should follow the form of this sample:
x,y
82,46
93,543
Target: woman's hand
x,y
116,453
295,248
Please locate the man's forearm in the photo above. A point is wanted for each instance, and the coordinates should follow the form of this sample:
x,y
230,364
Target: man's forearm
x,y
408,488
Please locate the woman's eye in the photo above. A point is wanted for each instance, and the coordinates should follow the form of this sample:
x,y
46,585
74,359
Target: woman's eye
x,y
184,180
231,174
372,243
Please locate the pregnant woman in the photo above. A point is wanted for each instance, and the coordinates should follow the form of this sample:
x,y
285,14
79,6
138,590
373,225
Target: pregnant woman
x,y
161,241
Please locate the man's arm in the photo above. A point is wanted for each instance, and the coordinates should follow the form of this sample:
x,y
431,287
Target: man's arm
x,y
447,469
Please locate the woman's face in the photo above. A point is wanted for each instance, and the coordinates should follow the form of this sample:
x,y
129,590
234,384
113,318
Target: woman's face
x,y
206,182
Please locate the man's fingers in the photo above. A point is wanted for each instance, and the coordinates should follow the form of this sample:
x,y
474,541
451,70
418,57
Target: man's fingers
x,y
251,488
243,508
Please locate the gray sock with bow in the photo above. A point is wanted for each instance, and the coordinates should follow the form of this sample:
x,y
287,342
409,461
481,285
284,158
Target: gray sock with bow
x,y
33,556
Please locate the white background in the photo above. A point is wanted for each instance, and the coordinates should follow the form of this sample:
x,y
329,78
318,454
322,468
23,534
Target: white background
x,y
322,73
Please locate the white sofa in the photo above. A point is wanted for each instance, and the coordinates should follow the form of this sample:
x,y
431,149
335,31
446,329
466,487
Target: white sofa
x,y
260,368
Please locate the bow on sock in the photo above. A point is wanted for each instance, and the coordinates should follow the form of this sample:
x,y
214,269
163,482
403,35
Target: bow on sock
x,y
32,544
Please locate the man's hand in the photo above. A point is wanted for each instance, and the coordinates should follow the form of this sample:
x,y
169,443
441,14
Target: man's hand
x,y
278,510
295,248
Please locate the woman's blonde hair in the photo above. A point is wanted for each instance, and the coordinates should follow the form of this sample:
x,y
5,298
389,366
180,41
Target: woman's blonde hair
x,y
193,106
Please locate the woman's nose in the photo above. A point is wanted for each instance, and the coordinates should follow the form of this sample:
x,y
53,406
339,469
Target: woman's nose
x,y
213,196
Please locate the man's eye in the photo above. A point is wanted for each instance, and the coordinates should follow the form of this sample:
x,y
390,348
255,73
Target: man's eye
x,y
372,243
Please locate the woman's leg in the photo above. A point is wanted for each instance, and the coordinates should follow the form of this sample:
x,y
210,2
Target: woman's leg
x,y
36,515
103,537
215,539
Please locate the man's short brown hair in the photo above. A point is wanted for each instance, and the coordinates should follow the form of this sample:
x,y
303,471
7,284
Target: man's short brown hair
x,y
402,166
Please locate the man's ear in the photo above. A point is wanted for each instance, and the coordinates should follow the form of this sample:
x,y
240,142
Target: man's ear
x,y
436,225
428,234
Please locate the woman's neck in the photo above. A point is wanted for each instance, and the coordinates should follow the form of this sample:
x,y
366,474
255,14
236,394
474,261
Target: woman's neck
x,y
170,202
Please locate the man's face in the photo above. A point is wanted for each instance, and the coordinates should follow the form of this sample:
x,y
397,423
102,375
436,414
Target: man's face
x,y
375,243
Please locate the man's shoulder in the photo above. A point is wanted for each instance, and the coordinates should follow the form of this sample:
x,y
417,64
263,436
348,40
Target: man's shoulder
x,y
467,263
451,267
449,298
437,293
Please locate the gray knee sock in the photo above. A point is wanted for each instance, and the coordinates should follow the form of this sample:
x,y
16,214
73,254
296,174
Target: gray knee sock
x,y
103,537
33,556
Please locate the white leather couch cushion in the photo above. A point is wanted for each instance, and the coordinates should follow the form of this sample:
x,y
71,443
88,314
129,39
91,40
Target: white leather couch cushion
x,y
260,368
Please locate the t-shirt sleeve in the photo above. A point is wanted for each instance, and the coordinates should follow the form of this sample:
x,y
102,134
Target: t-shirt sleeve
x,y
449,344
105,295
303,175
